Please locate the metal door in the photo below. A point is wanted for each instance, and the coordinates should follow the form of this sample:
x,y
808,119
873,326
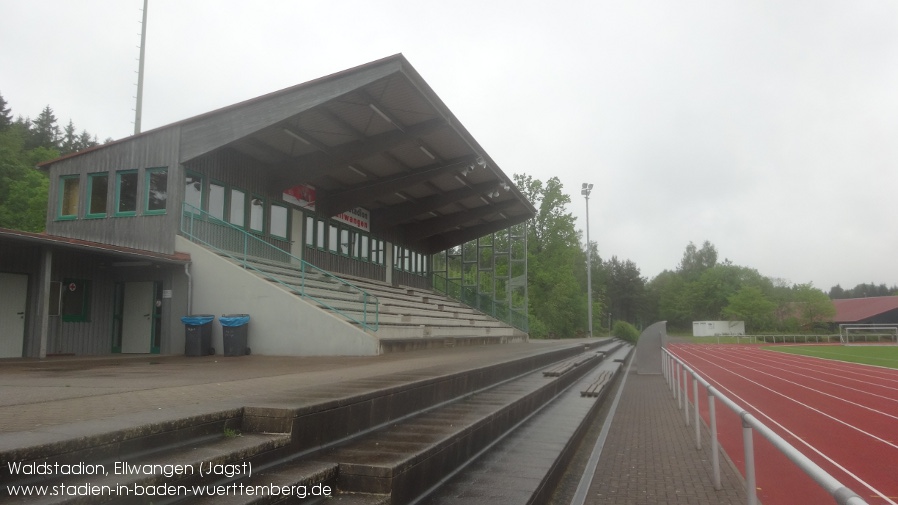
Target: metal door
x,y
13,299
137,317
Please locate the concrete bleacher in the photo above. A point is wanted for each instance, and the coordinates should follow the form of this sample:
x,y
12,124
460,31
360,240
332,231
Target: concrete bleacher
x,y
405,314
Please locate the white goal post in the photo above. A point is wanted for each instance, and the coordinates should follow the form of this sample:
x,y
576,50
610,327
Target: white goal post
x,y
879,333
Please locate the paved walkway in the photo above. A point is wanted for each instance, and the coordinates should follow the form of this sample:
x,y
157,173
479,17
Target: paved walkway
x,y
650,457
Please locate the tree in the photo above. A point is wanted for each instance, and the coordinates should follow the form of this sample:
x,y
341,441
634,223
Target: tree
x,y
556,262
751,305
69,139
23,190
5,117
812,305
625,289
44,131
695,261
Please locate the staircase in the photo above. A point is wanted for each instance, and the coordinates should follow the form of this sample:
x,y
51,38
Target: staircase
x,y
385,440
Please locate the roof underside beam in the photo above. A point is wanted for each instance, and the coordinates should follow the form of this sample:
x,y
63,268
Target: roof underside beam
x,y
446,240
397,214
307,169
415,232
340,201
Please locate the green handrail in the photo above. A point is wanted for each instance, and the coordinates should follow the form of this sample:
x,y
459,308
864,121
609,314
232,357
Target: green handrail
x,y
187,219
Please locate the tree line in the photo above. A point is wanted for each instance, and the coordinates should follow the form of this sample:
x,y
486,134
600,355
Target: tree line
x,y
701,287
25,142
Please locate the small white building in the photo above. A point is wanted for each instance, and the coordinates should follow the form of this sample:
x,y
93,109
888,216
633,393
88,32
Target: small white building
x,y
717,328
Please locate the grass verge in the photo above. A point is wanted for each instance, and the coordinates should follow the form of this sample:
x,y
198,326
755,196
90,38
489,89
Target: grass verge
x,y
886,356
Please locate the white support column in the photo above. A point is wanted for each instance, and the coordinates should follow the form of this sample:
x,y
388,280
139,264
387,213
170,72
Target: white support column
x,y
43,299
297,237
388,262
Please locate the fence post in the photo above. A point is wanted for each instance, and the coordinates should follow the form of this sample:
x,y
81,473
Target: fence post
x,y
748,446
715,445
677,393
686,396
698,432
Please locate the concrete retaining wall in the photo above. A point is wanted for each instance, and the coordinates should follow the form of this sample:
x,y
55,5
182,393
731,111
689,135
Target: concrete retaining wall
x,y
280,323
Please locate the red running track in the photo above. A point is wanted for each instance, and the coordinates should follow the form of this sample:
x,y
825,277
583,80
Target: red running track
x,y
843,416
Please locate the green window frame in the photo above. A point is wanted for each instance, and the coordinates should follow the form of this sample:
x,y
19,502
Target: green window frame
x,y
76,300
193,190
69,193
309,230
97,195
217,200
279,221
321,235
126,193
237,207
256,221
156,191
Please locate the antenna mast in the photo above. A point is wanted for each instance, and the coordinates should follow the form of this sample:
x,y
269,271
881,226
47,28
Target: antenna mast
x,y
143,43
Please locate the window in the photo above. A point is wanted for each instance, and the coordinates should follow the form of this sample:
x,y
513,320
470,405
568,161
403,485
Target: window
x,y
278,221
332,238
217,201
310,231
69,190
355,244
75,300
193,192
97,189
126,193
364,247
257,214
238,208
320,232
377,251
157,190
345,245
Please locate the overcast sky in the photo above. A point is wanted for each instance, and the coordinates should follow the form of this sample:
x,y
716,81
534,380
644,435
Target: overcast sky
x,y
769,128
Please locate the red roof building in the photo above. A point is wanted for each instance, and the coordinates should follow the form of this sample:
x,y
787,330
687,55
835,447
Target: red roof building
x,y
873,310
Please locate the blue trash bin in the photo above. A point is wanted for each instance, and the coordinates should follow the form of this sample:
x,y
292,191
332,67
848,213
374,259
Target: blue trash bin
x,y
234,330
198,334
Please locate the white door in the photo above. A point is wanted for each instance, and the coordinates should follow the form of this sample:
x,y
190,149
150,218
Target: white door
x,y
137,317
13,292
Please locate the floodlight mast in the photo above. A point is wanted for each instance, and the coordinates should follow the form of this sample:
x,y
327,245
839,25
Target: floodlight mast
x,y
143,43
587,189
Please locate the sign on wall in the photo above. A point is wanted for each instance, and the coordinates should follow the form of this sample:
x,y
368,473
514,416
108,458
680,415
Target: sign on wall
x,y
304,196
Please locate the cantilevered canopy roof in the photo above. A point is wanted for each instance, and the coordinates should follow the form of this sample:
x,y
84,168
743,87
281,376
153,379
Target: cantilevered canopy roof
x,y
376,137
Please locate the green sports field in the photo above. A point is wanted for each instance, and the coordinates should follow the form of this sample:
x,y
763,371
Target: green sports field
x,y
886,356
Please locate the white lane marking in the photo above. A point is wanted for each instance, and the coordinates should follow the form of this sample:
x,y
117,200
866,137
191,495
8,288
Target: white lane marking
x,y
760,412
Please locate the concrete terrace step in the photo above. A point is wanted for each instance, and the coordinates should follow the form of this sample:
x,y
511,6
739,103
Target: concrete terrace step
x,y
401,460
525,466
403,312
388,294
408,458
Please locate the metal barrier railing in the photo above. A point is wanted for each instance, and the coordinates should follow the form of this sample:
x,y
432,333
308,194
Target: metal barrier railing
x,y
482,302
677,374
191,213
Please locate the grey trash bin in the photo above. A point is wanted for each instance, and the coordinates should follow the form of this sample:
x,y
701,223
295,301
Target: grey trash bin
x,y
198,334
234,329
